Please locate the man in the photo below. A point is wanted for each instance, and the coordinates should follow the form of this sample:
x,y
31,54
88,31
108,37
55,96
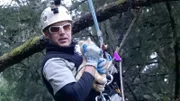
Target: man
x,y
62,60
61,70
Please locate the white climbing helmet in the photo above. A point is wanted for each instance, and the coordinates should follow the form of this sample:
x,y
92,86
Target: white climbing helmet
x,y
53,15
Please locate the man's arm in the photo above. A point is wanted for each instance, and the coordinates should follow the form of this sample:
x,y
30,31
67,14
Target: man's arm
x,y
63,82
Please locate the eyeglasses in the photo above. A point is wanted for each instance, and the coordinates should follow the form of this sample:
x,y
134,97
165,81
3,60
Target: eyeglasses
x,y
55,29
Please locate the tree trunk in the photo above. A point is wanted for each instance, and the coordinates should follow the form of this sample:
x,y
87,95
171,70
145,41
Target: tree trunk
x,y
177,72
176,51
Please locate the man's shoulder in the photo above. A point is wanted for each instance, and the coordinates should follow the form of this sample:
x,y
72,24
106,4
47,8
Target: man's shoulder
x,y
52,57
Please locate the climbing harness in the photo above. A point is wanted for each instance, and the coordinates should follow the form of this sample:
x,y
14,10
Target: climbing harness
x,y
116,56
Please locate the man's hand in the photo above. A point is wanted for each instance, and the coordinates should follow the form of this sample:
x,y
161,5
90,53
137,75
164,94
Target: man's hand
x,y
91,53
105,66
99,87
102,65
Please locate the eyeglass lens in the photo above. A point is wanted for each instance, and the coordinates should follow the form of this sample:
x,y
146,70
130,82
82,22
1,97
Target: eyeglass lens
x,y
66,27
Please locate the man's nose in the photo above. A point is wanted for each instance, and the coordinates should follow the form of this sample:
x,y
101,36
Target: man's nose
x,y
61,31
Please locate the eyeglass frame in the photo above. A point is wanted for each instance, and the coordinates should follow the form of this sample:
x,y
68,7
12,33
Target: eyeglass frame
x,y
60,26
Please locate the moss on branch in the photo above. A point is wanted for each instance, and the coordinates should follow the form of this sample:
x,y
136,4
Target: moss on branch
x,y
23,47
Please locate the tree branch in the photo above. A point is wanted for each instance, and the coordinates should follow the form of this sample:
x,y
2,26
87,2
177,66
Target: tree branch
x,y
37,44
76,5
30,47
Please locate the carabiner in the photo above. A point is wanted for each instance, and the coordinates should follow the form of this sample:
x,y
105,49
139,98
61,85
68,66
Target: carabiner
x,y
103,97
109,78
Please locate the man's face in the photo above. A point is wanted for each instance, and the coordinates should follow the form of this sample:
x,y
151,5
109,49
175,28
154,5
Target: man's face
x,y
60,33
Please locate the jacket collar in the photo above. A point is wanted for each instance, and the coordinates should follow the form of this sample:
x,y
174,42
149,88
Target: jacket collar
x,y
52,47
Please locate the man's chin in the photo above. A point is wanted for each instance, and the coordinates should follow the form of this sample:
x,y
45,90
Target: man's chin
x,y
64,44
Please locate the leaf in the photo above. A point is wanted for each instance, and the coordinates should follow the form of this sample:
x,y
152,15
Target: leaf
x,y
156,96
147,96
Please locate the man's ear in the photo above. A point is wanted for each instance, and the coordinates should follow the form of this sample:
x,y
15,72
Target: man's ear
x,y
46,34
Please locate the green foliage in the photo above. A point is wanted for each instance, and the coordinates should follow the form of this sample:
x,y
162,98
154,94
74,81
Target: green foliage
x,y
6,94
23,80
148,52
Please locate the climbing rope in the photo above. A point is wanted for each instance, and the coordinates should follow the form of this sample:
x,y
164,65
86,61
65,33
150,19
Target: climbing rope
x,y
99,34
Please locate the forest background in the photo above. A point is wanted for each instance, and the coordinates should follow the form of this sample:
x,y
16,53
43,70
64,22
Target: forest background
x,y
150,49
